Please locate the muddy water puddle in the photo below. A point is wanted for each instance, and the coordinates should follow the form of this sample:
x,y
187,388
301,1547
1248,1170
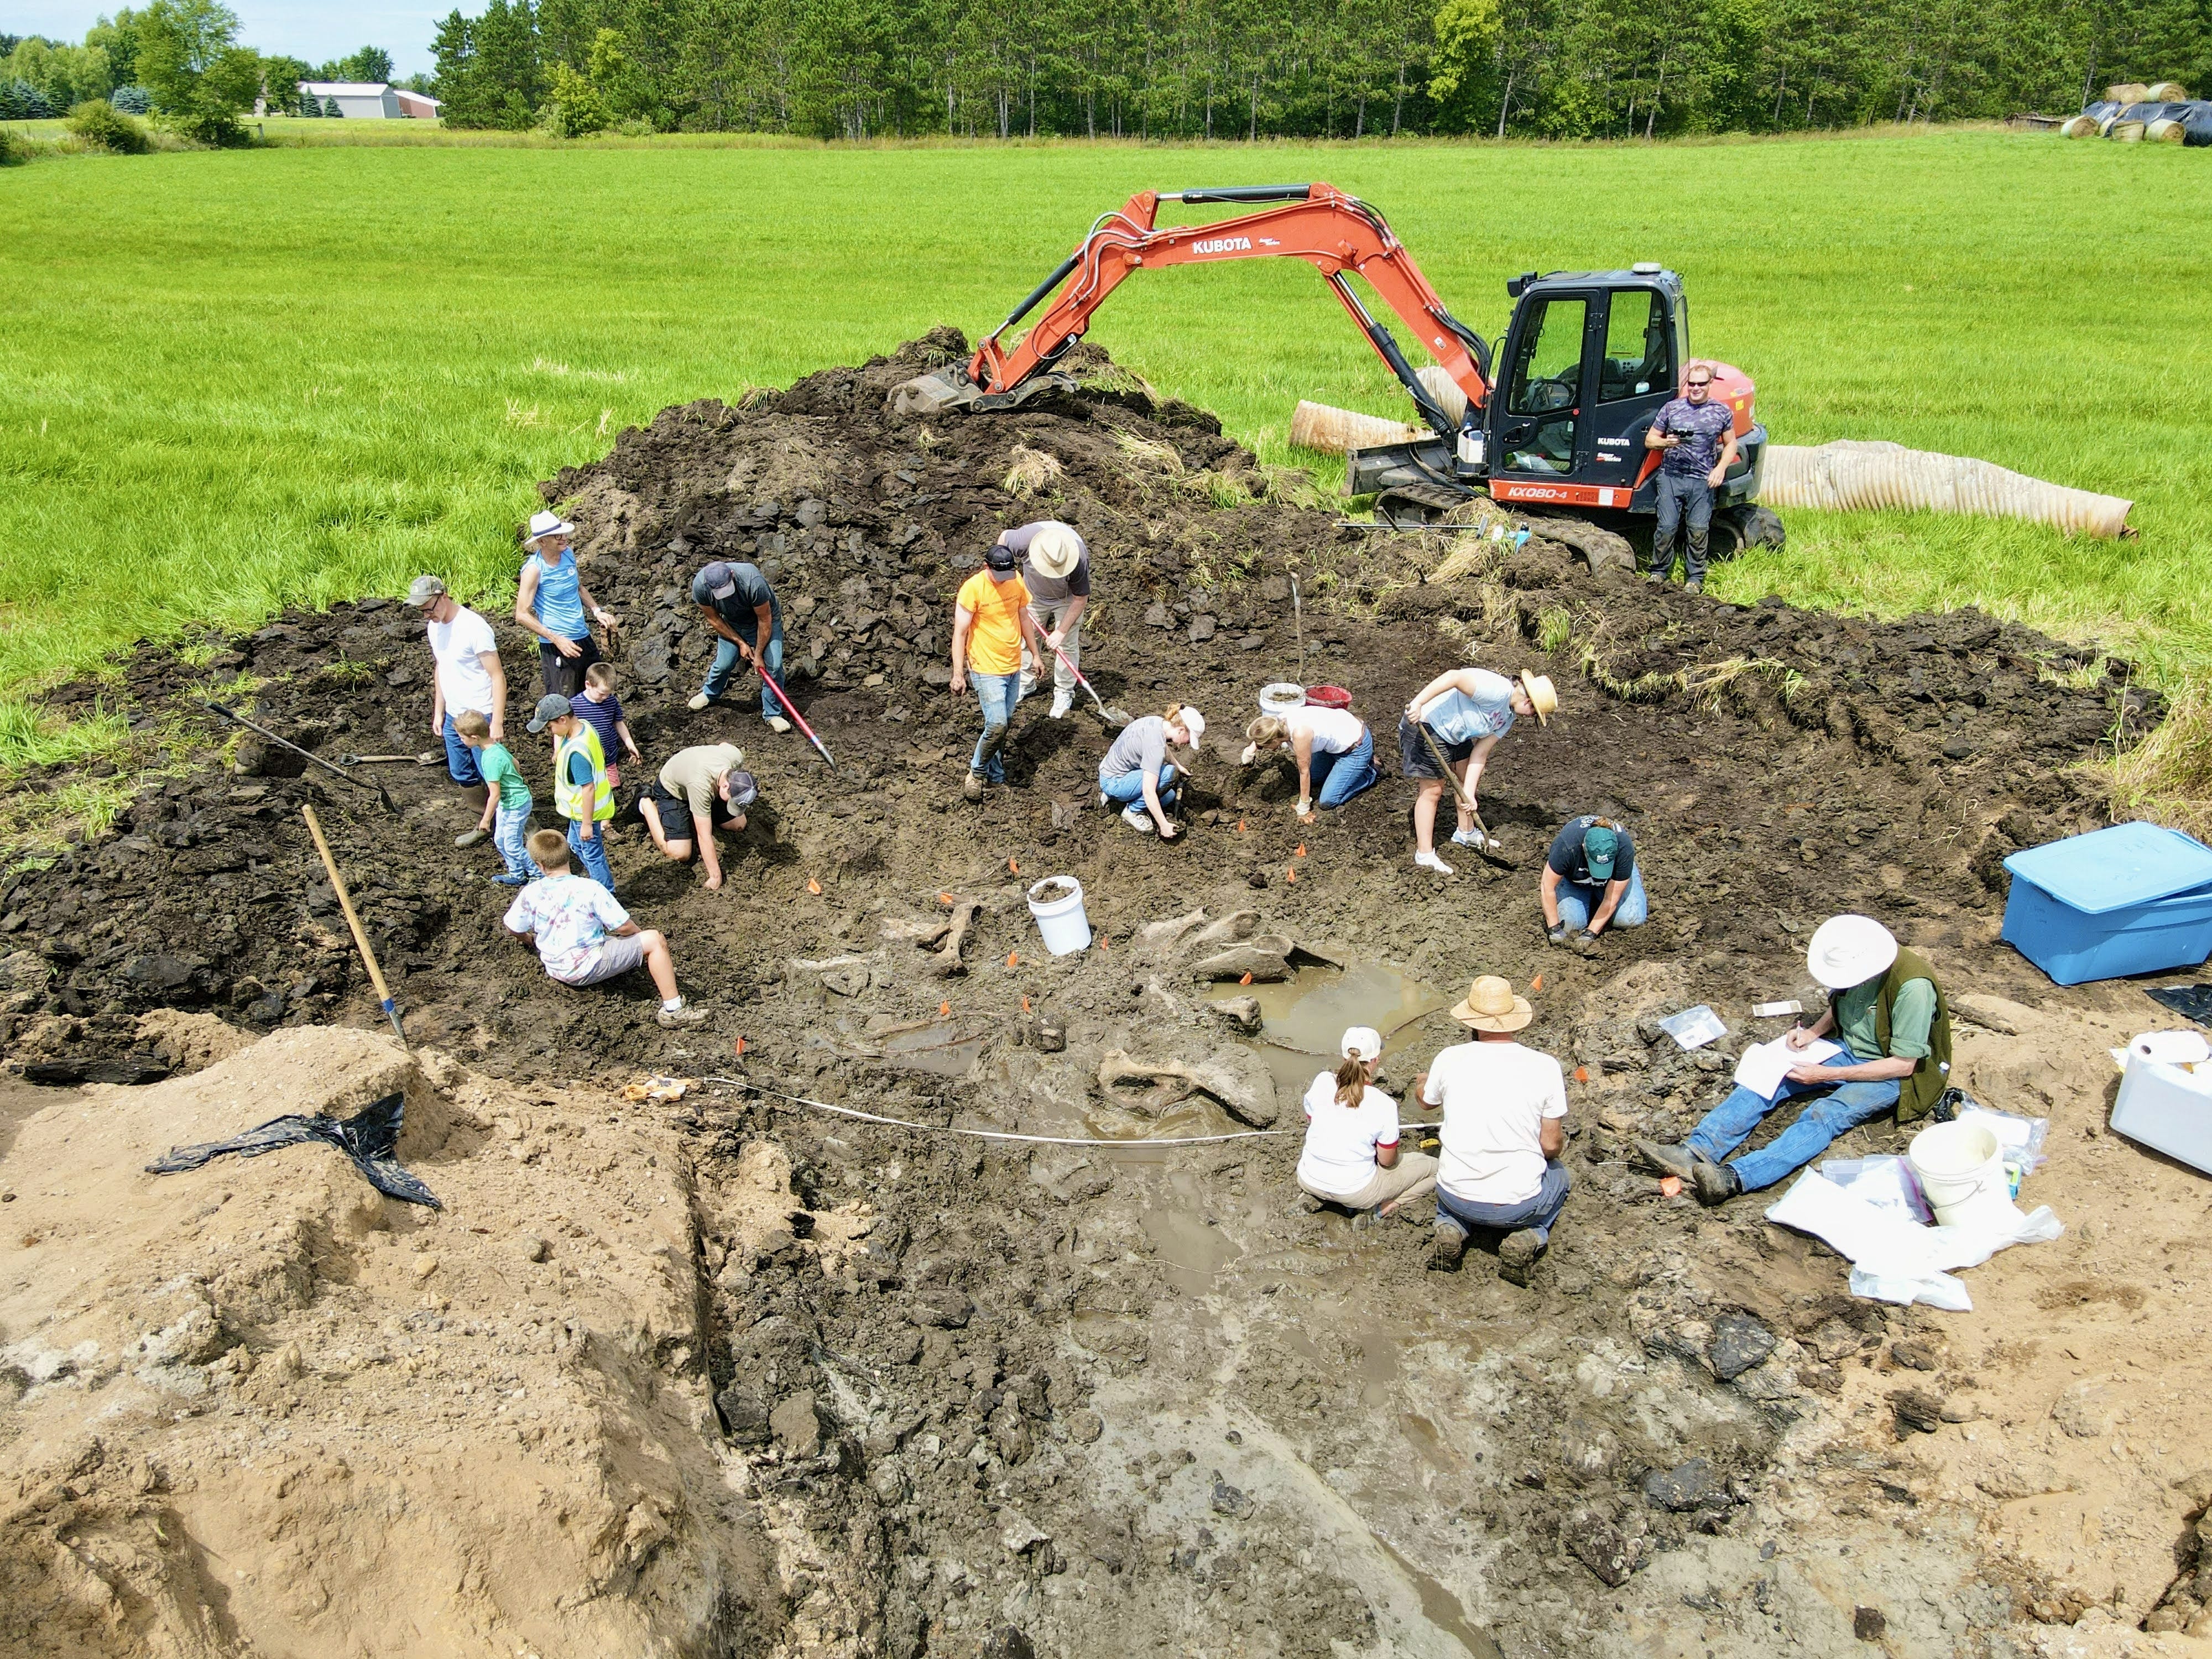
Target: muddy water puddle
x,y
938,1049
1304,1019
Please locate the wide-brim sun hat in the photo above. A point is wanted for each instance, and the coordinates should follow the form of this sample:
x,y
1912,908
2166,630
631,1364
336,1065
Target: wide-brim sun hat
x,y
1361,1043
1055,550
1848,951
1541,696
1491,1005
543,525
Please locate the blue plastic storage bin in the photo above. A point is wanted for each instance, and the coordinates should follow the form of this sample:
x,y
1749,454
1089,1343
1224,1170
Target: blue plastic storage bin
x,y
2133,899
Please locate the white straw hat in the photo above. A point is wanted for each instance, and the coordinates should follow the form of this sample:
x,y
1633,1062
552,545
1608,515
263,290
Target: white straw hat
x,y
1054,549
1361,1043
548,524
1848,951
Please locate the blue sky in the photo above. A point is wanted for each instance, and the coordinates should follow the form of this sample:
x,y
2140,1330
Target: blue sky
x,y
313,29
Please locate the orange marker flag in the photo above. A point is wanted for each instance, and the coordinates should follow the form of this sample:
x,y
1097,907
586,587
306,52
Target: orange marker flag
x,y
1013,866
1582,1074
944,898
1537,983
1301,853
1013,959
1240,826
1292,874
741,1047
1247,979
1671,1185
812,886
943,1009
1025,1004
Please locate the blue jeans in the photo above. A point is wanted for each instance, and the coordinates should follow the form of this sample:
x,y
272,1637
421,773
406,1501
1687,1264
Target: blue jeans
x,y
1683,500
1338,778
591,853
726,662
510,833
1129,788
1578,903
1537,1214
1729,1124
996,695
460,759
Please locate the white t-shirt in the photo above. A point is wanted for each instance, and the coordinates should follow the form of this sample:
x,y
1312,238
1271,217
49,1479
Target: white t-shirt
x,y
1340,1140
1495,1097
1335,730
459,646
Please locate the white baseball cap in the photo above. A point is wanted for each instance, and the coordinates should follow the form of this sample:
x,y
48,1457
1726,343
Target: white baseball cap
x,y
1193,722
548,524
1361,1043
1848,951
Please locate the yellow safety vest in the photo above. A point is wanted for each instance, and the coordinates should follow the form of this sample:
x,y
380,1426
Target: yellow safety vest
x,y
568,798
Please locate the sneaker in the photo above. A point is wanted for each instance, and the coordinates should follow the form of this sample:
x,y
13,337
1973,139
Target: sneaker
x,y
1105,799
1447,1243
1062,703
1516,1255
512,881
777,723
1695,584
1137,819
973,788
698,702
472,838
1473,838
676,1019
1714,1183
1655,575
1430,861
1668,1159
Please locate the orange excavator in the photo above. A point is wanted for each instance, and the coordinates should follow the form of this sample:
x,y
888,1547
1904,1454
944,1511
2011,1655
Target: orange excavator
x,y
1589,357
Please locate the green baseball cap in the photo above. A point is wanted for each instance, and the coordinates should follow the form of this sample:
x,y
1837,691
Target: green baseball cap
x,y
1600,845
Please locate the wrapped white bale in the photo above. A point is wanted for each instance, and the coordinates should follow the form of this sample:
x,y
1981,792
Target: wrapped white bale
x,y
1852,476
2165,92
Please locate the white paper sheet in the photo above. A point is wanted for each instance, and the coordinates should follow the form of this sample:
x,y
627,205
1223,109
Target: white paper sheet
x,y
1894,1259
1764,1065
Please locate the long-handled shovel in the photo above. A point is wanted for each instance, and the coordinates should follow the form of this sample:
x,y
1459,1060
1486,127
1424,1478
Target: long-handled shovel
x,y
784,697
382,793
1110,715
360,939
1486,851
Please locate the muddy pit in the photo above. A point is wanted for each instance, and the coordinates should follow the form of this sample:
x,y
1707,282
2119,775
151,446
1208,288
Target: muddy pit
x,y
1009,1397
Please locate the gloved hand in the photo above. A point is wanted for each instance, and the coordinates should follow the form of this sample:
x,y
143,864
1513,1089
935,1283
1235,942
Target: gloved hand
x,y
1557,933
1586,943
1304,807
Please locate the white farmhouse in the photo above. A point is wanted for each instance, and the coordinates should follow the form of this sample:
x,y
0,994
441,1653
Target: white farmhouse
x,y
372,101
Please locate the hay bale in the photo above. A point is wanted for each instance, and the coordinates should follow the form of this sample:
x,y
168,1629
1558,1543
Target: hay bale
x,y
2126,133
2163,131
2079,126
2127,92
2165,92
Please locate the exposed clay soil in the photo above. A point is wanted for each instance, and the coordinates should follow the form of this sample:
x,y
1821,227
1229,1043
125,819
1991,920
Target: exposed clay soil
x,y
967,1395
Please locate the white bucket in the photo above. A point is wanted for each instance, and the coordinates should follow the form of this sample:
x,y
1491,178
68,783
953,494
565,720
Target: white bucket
x,y
1960,1168
1065,928
1281,697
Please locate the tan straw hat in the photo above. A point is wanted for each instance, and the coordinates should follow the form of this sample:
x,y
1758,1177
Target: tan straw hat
x,y
1054,549
1491,1005
1541,698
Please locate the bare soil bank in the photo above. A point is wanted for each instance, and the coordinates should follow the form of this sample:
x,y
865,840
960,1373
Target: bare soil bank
x,y
934,1395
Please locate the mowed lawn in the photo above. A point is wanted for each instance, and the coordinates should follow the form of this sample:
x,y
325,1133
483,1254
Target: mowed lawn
x,y
229,382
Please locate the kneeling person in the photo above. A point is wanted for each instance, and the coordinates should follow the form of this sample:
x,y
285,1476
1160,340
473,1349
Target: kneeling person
x,y
1351,1155
699,791
1894,1026
1505,1125
1591,883
584,936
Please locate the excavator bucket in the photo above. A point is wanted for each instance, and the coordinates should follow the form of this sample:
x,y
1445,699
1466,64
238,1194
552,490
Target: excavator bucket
x,y
932,393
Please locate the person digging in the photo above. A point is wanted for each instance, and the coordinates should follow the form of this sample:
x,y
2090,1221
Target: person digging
x,y
1136,775
1454,721
1333,749
469,679
1891,1017
741,607
1591,883
699,791
583,935
1056,571
1505,1125
991,623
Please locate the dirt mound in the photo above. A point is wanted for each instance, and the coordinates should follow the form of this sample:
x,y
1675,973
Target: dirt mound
x,y
1114,1401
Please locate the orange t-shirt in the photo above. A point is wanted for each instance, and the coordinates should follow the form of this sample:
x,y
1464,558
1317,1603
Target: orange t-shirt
x,y
994,639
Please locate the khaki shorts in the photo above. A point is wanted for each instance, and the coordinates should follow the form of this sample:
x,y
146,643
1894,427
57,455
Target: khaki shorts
x,y
616,958
1412,1175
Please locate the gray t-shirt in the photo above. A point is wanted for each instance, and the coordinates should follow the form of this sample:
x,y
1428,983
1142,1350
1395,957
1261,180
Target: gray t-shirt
x,y
1142,747
1043,589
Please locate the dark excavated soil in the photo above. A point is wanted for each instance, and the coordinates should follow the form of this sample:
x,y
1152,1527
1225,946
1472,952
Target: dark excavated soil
x,y
1777,765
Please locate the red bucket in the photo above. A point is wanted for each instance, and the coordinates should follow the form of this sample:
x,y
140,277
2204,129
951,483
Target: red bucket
x,y
1328,696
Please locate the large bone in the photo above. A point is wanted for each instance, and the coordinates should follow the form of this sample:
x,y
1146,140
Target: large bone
x,y
1235,1076
944,961
1264,956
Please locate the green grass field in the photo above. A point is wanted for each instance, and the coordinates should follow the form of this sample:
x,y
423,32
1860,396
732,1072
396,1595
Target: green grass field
x,y
231,382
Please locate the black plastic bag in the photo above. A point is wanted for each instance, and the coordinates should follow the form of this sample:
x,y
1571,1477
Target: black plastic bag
x,y
2190,1001
370,1138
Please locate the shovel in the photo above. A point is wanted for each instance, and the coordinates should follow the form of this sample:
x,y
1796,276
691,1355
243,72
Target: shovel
x,y
390,805
1459,794
784,697
427,757
1113,716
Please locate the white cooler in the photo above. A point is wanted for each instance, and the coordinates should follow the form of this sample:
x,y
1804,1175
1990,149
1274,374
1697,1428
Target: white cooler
x,y
2168,1108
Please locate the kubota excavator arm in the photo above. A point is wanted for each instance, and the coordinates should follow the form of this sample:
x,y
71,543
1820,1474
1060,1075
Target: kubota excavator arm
x,y
1331,231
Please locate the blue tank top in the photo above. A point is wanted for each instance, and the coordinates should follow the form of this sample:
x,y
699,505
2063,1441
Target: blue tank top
x,y
560,600
1458,718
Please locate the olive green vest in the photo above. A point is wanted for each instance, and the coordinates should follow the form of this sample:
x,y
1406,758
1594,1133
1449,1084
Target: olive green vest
x,y
1917,1094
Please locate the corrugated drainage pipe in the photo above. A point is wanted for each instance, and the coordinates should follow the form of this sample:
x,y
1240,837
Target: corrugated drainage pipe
x,y
1318,426
1851,476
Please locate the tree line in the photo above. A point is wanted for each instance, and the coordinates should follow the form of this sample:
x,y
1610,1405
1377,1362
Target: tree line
x,y
1319,68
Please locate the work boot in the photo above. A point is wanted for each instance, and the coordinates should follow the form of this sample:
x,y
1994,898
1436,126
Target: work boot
x,y
677,1019
472,837
1063,701
973,788
1668,1159
1695,584
1655,575
1309,1203
777,723
699,701
1447,1243
1714,1183
1517,1253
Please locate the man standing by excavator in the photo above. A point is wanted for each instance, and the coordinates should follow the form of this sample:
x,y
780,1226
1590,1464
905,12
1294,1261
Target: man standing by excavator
x,y
1697,437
